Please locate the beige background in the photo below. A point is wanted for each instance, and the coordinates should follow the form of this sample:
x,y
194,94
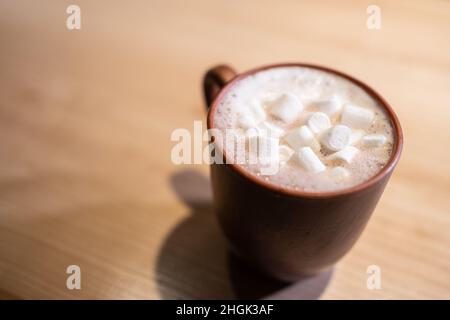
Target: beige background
x,y
85,122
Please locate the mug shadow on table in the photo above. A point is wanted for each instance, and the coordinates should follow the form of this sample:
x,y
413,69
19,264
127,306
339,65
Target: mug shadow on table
x,y
194,262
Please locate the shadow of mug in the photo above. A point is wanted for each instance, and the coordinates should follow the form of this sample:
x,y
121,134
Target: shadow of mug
x,y
194,262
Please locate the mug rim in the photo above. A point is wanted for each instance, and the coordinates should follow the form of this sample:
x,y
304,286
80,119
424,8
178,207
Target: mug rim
x,y
386,170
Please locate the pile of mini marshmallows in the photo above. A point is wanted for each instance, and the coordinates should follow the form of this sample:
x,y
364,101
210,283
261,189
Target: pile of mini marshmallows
x,y
318,132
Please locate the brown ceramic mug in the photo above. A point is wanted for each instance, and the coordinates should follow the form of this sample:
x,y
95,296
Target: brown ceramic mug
x,y
285,233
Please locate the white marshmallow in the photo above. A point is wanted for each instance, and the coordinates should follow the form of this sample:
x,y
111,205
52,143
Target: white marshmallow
x,y
374,140
245,121
357,117
269,129
285,153
252,116
339,173
330,106
356,136
337,137
309,160
347,154
257,111
318,122
263,149
302,137
287,107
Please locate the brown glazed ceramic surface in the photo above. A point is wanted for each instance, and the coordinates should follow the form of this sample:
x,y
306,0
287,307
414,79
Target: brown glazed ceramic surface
x,y
286,233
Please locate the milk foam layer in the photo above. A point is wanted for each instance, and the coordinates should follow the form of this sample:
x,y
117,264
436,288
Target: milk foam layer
x,y
324,95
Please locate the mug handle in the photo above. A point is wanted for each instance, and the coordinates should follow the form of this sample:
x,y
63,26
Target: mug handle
x,y
214,80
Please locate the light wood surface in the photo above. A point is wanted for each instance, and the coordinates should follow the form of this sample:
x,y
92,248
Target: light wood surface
x,y
85,123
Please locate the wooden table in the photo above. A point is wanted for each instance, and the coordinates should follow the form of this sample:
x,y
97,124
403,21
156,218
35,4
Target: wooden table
x,y
85,122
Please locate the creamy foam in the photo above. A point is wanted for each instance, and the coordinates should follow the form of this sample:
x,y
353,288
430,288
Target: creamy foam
x,y
311,87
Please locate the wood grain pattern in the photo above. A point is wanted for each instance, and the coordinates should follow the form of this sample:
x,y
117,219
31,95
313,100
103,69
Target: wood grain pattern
x,y
85,123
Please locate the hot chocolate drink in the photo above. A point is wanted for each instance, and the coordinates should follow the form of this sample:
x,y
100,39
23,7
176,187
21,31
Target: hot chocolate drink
x,y
322,131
